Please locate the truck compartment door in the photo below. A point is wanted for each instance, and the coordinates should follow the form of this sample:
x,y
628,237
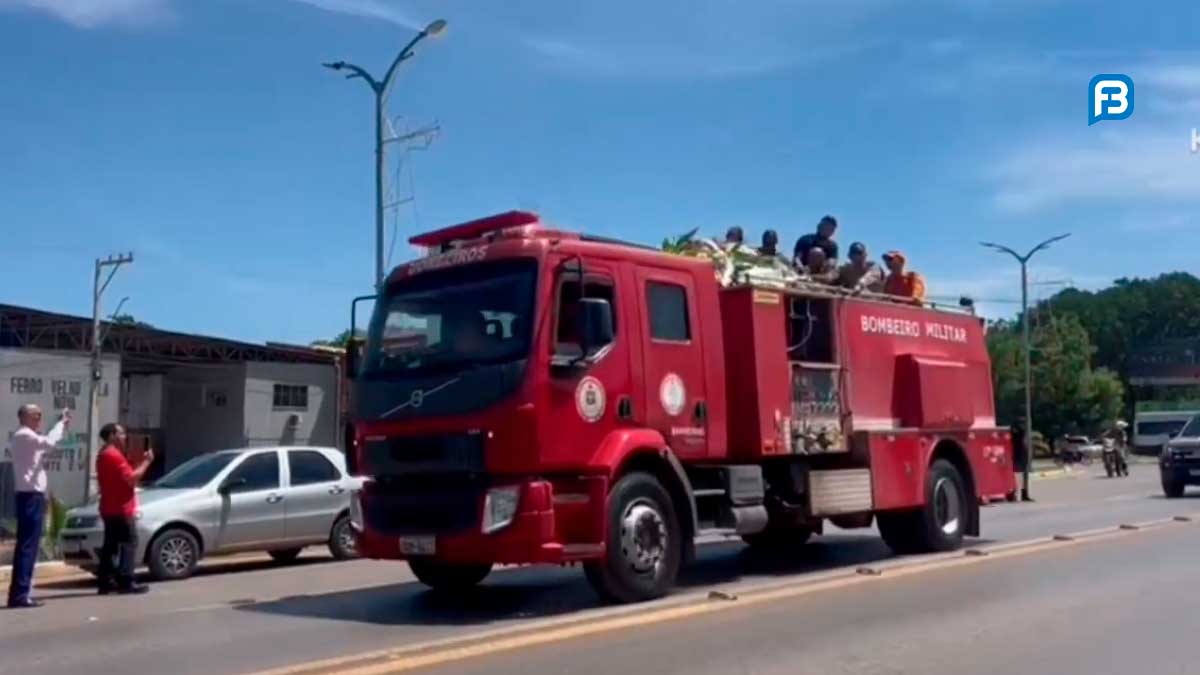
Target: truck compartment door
x,y
673,370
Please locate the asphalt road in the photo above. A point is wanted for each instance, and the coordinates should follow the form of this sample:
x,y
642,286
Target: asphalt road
x,y
1123,605
260,616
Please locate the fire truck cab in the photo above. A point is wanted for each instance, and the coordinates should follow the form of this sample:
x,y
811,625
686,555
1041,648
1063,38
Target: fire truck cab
x,y
528,395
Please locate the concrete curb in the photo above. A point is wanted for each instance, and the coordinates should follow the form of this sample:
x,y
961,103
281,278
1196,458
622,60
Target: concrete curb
x,y
51,574
48,572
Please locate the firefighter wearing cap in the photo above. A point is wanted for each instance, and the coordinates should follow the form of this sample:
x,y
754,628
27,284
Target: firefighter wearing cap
x,y
860,274
900,282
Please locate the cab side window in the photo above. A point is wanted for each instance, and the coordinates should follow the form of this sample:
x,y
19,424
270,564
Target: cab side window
x,y
566,332
667,306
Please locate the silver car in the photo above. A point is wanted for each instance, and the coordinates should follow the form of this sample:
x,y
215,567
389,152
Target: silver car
x,y
277,500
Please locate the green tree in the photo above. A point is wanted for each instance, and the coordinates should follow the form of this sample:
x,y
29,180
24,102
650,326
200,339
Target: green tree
x,y
1068,395
339,340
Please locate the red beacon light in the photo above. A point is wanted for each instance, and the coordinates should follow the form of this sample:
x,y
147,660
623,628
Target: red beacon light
x,y
439,240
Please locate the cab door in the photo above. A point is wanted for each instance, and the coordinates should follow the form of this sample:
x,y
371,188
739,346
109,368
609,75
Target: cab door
x,y
673,360
586,399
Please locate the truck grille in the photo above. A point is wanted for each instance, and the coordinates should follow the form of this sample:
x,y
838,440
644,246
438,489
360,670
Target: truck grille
x,y
443,508
446,453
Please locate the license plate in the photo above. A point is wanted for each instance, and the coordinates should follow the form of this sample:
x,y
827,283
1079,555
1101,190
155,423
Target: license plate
x,y
72,546
418,545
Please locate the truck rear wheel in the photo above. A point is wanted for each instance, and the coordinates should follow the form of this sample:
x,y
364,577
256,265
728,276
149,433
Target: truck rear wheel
x,y
443,576
645,546
938,525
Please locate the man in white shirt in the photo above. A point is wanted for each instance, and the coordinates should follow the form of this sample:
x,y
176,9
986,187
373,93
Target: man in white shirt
x,y
29,449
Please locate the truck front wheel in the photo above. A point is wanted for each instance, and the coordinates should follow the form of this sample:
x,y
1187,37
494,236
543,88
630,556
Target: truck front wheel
x,y
442,576
644,548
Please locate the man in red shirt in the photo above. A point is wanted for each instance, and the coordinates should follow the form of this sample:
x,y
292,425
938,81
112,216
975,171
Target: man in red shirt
x,y
118,508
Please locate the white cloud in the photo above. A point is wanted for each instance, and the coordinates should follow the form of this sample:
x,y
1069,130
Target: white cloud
x,y
98,13
95,13
1099,167
371,9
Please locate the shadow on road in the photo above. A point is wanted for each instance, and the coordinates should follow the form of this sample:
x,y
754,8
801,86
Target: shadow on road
x,y
541,592
212,567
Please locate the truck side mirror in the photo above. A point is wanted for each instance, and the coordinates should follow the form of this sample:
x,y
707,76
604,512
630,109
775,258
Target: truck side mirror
x,y
595,324
354,347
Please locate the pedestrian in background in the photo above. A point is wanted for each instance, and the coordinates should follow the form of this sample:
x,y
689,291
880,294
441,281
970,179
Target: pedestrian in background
x,y
29,450
118,505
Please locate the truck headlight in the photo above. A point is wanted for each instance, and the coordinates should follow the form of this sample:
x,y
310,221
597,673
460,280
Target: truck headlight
x,y
356,512
500,507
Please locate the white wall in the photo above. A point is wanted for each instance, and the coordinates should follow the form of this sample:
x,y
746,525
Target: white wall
x,y
202,411
266,425
53,380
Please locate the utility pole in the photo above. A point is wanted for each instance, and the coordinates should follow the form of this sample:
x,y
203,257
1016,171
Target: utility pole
x,y
112,262
1027,348
380,88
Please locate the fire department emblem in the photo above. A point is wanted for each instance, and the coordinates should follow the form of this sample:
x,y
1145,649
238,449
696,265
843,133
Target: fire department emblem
x,y
589,399
672,394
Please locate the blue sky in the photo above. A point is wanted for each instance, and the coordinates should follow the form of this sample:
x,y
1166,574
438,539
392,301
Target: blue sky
x,y
204,136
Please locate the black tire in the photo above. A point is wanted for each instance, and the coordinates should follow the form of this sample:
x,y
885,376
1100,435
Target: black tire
x,y
937,526
341,540
641,564
778,538
448,577
285,556
1172,489
173,555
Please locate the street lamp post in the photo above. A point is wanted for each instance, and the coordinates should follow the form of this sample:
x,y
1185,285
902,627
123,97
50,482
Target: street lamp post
x,y
380,89
1028,349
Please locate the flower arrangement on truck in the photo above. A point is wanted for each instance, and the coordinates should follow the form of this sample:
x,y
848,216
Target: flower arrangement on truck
x,y
530,395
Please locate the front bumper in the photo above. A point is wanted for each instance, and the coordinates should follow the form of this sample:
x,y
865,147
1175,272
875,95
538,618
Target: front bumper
x,y
1183,470
81,547
555,522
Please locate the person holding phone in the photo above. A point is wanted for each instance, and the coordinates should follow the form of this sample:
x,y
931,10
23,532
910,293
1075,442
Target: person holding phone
x,y
118,481
30,449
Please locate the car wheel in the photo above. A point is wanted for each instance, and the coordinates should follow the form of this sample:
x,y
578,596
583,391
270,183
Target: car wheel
x,y
284,556
173,555
1172,489
341,540
645,543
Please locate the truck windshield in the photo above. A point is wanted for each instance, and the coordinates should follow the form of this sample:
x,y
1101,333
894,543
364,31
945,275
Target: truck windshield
x,y
453,319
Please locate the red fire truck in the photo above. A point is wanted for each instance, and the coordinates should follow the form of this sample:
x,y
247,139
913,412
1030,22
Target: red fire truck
x,y
528,395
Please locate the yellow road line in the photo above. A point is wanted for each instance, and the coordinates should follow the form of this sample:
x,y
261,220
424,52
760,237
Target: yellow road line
x,y
411,657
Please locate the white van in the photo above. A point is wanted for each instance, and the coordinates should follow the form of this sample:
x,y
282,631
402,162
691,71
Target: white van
x,y
1152,430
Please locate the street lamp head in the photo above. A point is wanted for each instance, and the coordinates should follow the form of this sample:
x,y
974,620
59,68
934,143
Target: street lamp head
x,y
337,65
435,28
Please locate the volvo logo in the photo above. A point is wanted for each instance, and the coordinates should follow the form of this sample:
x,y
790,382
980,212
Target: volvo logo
x,y
417,398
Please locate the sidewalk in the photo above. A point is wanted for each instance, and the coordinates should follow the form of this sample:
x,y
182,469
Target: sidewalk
x,y
57,573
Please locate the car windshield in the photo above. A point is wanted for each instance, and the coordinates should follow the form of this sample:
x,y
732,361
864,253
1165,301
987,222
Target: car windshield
x,y
196,472
453,319
1192,430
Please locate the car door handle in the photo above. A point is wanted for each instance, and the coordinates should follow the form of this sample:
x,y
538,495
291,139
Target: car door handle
x,y
274,499
336,490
